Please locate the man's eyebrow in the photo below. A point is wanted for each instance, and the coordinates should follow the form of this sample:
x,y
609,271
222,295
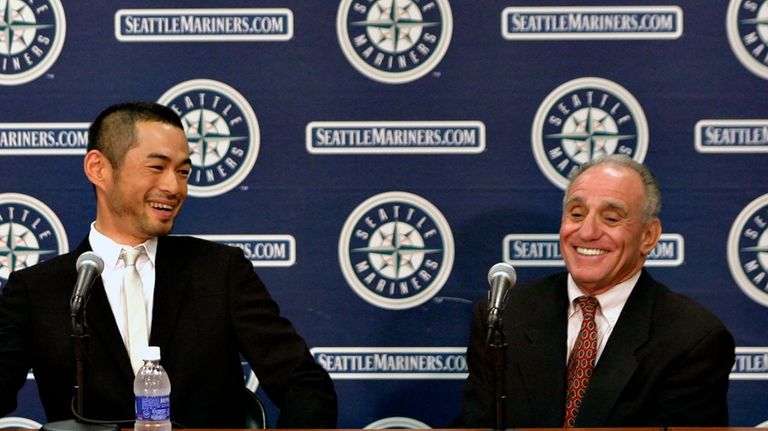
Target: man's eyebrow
x,y
609,205
158,156
163,157
615,206
574,199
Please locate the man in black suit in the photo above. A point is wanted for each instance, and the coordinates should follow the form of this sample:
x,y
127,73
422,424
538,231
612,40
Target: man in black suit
x,y
661,359
205,306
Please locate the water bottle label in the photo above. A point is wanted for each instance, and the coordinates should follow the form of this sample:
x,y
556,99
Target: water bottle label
x,y
153,408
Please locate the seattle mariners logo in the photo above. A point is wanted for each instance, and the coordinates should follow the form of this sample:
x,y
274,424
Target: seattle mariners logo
x,y
223,134
585,119
31,38
29,233
748,250
747,28
396,250
394,41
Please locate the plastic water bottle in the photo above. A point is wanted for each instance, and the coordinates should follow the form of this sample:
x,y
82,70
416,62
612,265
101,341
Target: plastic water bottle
x,y
153,394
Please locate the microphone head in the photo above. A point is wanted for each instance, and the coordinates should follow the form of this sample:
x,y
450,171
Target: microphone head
x,y
92,259
502,269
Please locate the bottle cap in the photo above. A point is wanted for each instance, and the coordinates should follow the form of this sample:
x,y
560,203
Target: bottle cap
x,y
151,353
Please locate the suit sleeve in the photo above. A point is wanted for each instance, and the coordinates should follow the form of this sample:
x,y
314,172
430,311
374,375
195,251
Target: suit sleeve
x,y
294,382
477,405
695,392
14,363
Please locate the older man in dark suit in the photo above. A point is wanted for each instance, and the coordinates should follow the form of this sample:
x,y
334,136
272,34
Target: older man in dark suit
x,y
203,305
603,345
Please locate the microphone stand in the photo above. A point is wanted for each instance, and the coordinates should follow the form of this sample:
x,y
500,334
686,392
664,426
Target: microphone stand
x,y
80,340
497,347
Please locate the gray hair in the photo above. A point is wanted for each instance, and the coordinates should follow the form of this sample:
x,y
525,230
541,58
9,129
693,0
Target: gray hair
x,y
652,191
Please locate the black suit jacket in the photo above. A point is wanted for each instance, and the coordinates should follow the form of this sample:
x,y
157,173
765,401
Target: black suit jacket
x,y
666,362
209,307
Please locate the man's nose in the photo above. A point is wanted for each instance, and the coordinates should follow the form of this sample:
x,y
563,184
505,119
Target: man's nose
x,y
171,183
590,228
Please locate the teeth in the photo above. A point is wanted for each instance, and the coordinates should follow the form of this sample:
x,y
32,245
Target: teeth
x,y
590,251
161,206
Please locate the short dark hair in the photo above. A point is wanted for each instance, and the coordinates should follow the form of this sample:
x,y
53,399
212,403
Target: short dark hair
x,y
114,130
650,184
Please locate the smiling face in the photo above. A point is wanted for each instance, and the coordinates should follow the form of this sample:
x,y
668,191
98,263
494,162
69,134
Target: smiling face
x,y
604,236
141,198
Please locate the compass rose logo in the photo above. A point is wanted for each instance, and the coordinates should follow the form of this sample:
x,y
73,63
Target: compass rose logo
x,y
747,28
585,119
29,233
748,250
31,38
222,131
396,250
394,41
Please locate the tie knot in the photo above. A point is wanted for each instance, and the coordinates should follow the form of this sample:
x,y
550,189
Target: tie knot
x,y
130,255
588,305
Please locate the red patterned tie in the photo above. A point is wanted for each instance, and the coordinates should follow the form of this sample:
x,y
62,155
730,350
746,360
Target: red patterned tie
x,y
582,359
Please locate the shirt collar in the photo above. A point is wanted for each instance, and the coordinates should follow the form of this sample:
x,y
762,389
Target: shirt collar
x,y
109,250
611,301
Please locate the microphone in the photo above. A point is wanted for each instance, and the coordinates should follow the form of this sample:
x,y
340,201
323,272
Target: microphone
x,y
501,277
89,266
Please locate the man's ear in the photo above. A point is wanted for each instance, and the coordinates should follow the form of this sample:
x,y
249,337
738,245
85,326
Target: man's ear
x,y
97,168
651,235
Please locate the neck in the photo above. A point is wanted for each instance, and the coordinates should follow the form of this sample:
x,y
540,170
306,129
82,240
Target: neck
x,y
117,236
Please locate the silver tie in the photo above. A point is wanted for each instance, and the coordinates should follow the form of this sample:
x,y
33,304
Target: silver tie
x,y
135,308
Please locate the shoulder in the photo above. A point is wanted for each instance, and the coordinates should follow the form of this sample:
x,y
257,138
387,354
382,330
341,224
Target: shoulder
x,y
677,314
197,252
191,243
554,285
672,303
43,279
554,281
54,266
530,295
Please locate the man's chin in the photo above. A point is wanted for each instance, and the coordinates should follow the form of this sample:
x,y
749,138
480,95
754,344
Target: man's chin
x,y
587,282
161,229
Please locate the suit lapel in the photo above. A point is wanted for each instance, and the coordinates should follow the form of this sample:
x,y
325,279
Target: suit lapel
x,y
171,277
543,363
101,321
618,361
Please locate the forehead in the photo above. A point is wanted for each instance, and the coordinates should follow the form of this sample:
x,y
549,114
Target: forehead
x,y
154,136
608,182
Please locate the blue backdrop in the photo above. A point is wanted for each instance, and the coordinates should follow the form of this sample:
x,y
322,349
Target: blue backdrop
x,y
374,158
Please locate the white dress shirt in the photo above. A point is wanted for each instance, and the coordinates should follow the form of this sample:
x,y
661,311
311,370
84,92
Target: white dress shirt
x,y
611,304
112,276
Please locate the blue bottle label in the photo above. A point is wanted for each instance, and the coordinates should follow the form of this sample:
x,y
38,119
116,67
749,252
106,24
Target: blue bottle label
x,y
153,408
